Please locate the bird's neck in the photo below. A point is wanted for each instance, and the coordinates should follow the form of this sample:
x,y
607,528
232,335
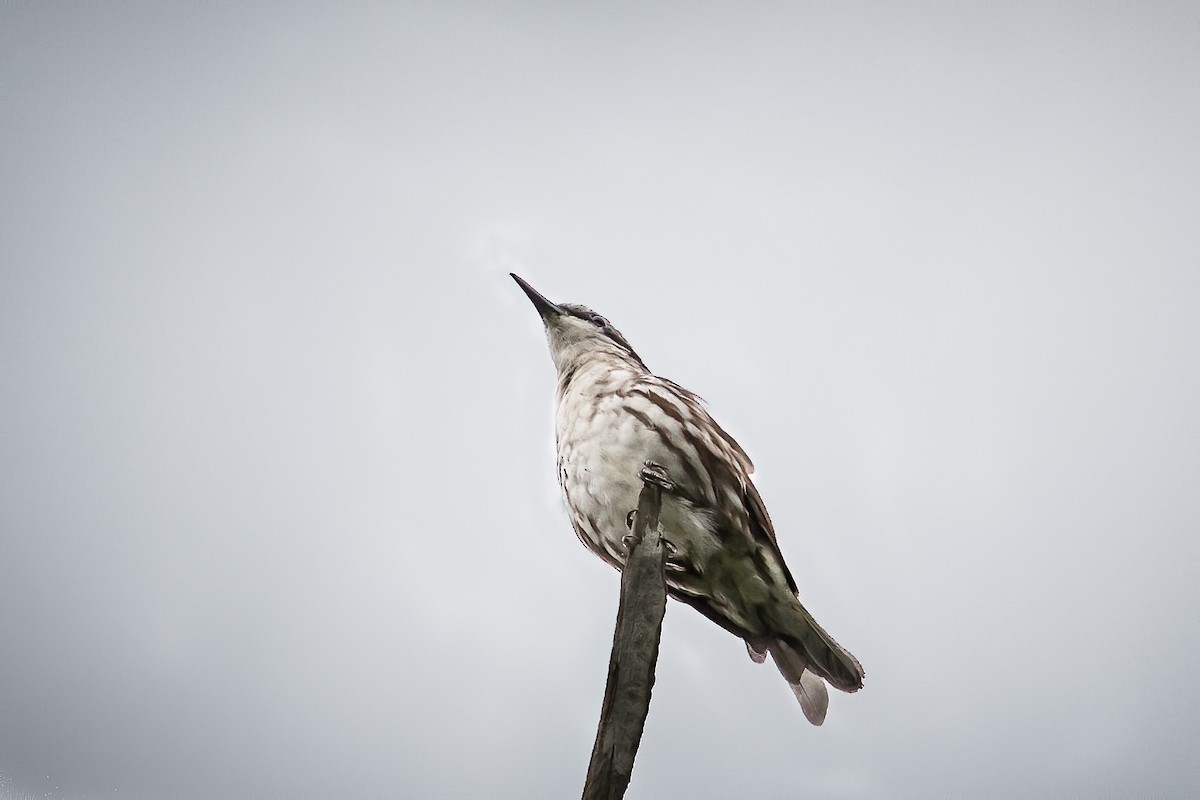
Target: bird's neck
x,y
583,387
597,373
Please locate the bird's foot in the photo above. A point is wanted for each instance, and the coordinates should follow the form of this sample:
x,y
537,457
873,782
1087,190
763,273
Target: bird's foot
x,y
675,561
627,539
657,475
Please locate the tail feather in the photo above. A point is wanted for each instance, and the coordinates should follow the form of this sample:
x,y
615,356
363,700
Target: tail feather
x,y
809,688
818,650
813,697
806,656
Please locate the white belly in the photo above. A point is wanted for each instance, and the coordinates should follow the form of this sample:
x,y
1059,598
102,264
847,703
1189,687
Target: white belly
x,y
600,457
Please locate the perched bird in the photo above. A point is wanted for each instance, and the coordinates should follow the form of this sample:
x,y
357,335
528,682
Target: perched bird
x,y
613,417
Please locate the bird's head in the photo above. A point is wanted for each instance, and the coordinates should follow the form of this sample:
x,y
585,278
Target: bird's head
x,y
577,334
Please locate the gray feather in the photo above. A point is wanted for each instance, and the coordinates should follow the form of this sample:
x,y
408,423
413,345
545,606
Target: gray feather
x,y
808,687
813,697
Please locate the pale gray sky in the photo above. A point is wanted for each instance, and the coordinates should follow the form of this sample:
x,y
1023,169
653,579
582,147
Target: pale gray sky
x,y
277,504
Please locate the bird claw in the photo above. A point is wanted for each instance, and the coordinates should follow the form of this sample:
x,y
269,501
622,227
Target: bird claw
x,y
657,475
674,561
628,539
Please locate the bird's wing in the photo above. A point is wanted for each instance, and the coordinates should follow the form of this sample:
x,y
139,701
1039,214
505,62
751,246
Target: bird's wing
x,y
739,510
764,531
734,467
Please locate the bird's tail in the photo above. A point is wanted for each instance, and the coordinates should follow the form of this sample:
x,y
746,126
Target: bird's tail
x,y
807,656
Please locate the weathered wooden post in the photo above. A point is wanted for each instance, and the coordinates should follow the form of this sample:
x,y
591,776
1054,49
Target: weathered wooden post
x,y
634,651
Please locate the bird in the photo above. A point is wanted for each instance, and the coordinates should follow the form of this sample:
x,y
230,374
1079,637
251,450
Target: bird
x,y
614,419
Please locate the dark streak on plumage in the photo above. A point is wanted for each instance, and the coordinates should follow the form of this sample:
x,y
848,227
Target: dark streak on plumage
x,y
564,380
675,450
593,535
666,405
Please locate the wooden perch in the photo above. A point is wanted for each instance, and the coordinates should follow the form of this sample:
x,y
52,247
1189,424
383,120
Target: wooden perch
x,y
634,651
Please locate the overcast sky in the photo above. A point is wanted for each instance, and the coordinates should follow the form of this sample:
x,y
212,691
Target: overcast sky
x,y
278,514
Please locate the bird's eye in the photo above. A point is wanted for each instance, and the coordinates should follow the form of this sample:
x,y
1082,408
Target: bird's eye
x,y
599,321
